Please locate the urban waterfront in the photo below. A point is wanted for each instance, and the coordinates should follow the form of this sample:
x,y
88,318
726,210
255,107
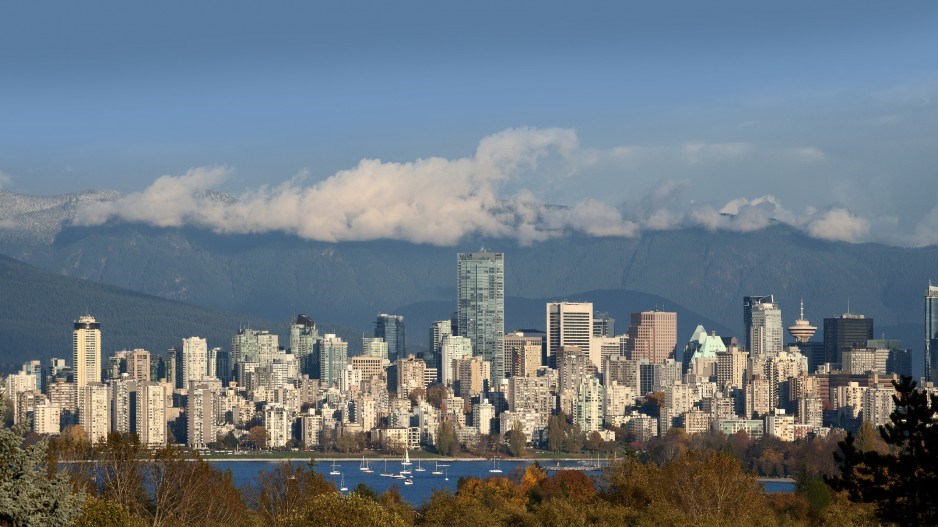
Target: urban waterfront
x,y
245,473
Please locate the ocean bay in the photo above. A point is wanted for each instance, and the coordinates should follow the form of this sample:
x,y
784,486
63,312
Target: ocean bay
x,y
425,482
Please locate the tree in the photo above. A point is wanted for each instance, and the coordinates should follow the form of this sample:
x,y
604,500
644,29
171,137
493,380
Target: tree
x,y
516,441
593,441
29,494
365,491
555,433
353,510
652,404
258,436
278,495
868,439
446,440
347,442
101,512
711,488
435,394
120,471
188,491
900,483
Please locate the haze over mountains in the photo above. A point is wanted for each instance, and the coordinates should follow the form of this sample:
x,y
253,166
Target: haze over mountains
x,y
269,275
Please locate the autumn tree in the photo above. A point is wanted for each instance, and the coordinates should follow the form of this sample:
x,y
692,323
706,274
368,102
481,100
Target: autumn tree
x,y
119,467
257,435
188,491
278,495
711,488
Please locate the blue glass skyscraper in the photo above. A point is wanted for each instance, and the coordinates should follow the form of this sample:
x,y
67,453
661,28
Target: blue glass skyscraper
x,y
480,290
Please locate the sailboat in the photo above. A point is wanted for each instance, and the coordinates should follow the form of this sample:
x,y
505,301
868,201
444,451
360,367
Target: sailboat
x,y
365,468
408,481
386,473
495,469
342,486
447,475
405,463
419,468
334,471
436,471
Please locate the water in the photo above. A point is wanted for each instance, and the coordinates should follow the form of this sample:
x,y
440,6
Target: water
x,y
245,472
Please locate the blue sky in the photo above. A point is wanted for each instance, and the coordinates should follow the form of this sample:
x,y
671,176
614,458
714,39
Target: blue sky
x,y
820,105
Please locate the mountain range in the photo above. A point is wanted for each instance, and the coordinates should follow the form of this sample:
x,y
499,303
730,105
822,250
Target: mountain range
x,y
702,274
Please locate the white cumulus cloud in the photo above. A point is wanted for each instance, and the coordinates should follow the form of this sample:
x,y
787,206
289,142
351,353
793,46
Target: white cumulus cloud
x,y
440,201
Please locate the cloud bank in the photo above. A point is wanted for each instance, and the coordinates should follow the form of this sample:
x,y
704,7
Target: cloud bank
x,y
440,201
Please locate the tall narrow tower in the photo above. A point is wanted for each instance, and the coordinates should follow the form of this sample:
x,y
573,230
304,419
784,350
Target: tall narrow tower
x,y
480,308
931,333
86,351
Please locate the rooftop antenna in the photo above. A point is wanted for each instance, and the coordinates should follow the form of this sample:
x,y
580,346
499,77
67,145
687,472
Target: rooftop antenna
x,y
848,305
802,309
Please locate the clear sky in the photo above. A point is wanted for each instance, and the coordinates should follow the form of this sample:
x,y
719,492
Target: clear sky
x,y
829,108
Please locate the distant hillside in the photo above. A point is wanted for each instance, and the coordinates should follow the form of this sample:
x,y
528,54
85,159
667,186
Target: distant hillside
x,y
266,275
37,310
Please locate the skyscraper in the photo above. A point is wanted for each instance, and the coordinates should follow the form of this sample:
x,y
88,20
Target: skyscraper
x,y
193,361
391,329
571,324
438,330
480,289
652,336
931,333
764,332
333,357
748,303
86,351
303,336
843,333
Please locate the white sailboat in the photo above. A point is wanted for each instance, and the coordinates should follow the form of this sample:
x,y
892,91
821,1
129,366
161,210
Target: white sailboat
x,y
386,473
406,463
437,471
447,475
408,481
342,486
334,471
495,469
366,469
419,468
